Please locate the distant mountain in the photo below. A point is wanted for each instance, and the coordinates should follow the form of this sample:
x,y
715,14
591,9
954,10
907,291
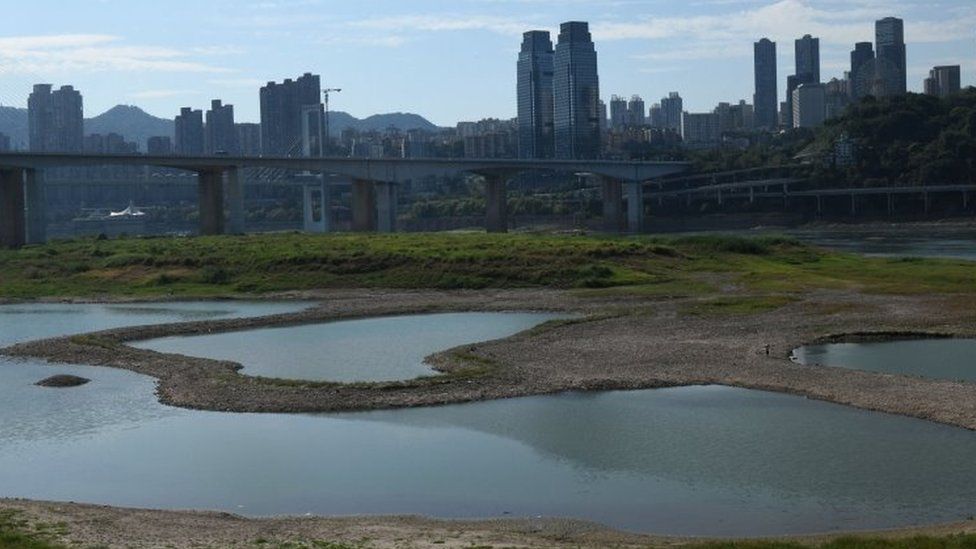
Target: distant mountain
x,y
137,125
130,121
403,121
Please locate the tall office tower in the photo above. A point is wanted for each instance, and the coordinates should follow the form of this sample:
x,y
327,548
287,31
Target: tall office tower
x,y
766,98
889,38
603,117
576,93
221,135
808,60
534,90
249,139
281,114
943,81
862,58
792,83
656,116
56,119
635,111
189,132
159,145
618,112
672,108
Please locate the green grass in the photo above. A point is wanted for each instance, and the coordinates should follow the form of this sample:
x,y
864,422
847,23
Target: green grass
x,y
17,533
592,266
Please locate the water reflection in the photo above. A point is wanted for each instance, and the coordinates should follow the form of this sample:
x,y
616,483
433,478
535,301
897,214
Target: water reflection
x,y
950,359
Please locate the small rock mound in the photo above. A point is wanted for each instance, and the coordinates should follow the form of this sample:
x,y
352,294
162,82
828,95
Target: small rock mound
x,y
62,381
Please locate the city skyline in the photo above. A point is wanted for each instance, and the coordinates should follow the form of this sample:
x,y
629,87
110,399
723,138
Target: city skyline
x,y
395,63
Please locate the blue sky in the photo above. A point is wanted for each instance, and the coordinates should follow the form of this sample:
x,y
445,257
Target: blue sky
x,y
448,60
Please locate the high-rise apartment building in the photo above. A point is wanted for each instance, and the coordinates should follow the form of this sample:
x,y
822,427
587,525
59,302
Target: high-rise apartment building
x,y
160,145
576,93
618,112
809,105
944,81
889,38
56,119
766,98
636,115
249,139
535,96
4,142
281,113
189,132
221,135
656,116
672,108
862,62
699,129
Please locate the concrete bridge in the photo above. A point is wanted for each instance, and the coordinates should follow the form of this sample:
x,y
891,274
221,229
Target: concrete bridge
x,y
373,188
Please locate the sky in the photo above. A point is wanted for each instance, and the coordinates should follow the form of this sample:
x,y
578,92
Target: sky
x,y
447,60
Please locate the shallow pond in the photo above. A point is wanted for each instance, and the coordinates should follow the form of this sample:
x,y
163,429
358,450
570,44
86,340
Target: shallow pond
x,y
374,349
24,322
952,359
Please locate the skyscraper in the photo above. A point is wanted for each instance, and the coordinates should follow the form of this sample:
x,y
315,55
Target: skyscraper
x,y
618,112
766,98
281,113
943,81
56,119
861,62
809,105
808,60
635,111
221,135
189,132
576,93
249,139
889,38
535,108
672,108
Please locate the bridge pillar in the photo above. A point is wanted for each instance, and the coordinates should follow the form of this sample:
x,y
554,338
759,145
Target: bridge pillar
x,y
36,199
363,205
925,197
891,204
635,206
496,204
210,189
612,191
310,194
12,219
853,205
386,203
235,200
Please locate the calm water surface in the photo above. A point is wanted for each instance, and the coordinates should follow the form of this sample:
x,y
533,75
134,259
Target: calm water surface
x,y
953,359
375,349
37,321
698,460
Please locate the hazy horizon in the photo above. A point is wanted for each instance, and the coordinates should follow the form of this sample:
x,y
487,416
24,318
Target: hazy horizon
x,y
447,61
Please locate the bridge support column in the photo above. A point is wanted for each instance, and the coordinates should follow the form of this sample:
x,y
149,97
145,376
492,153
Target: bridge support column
x,y
925,197
496,204
819,205
853,205
210,189
612,191
891,204
635,207
13,222
36,199
752,195
965,200
363,205
235,200
386,203
313,193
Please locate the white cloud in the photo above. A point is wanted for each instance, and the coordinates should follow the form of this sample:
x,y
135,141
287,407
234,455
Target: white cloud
x,y
92,53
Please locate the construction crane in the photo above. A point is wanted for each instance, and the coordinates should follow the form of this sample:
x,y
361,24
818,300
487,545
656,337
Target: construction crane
x,y
328,129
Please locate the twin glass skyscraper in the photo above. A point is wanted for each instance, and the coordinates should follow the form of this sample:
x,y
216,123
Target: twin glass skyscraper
x,y
568,95
766,99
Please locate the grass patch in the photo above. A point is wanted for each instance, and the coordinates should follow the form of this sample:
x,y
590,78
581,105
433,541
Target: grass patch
x,y
598,266
17,533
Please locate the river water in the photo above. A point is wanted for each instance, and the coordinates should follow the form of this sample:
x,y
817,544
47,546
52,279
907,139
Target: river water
x,y
698,460
951,359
